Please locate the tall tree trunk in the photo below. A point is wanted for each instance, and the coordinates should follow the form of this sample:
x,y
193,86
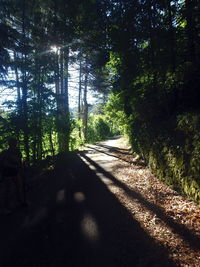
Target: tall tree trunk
x,y
63,122
18,97
66,99
25,119
85,105
17,83
61,72
39,119
66,78
152,50
57,91
79,95
56,73
25,91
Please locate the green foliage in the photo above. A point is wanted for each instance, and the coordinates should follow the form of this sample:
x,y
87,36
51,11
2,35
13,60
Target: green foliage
x,y
172,153
147,51
114,112
188,122
98,128
76,141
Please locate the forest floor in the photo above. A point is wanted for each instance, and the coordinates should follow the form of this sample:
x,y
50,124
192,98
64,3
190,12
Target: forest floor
x,y
101,207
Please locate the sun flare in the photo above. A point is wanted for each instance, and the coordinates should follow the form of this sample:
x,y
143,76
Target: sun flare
x,y
54,49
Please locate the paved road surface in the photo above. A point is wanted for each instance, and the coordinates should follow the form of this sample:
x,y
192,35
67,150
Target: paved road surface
x,y
74,220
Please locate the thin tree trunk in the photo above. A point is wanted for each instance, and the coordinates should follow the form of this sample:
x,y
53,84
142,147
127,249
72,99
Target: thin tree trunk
x,y
85,105
25,93
25,120
152,51
61,72
79,95
66,78
39,134
57,73
66,100
17,82
18,97
57,91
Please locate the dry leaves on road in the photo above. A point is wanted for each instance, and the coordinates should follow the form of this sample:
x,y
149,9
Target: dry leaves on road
x,y
168,217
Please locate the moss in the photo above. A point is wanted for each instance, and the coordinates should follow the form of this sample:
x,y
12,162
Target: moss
x,y
174,155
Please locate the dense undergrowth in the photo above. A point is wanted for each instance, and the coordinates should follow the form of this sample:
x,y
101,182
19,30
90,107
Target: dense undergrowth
x,y
170,145
171,149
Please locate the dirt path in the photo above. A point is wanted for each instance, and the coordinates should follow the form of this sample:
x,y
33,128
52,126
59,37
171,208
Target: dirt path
x,y
99,207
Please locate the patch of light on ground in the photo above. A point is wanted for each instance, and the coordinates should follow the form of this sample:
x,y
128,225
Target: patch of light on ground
x,y
79,197
89,228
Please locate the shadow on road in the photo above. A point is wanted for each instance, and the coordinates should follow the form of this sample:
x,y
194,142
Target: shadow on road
x,y
119,154
192,239
74,220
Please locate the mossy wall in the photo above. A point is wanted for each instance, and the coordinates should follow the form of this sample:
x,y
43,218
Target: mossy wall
x,y
172,150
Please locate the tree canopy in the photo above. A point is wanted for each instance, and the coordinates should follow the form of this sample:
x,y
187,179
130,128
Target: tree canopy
x,y
146,52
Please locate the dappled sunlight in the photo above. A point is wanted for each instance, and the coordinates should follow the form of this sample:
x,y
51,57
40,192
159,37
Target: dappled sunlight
x,y
135,192
90,228
79,197
105,180
100,133
152,203
141,199
61,195
55,49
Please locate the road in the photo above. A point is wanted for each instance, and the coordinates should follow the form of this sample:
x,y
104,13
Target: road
x,y
75,220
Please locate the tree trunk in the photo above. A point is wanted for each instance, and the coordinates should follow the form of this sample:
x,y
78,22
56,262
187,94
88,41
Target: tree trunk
x,y
57,91
39,126
25,93
66,76
63,124
79,96
18,97
25,119
152,50
66,115
85,105
17,82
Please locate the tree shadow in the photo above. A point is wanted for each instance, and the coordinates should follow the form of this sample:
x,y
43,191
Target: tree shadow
x,y
115,149
180,229
77,221
112,149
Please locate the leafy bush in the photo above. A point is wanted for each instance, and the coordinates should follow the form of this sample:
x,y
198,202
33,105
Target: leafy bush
x,y
114,113
75,139
98,128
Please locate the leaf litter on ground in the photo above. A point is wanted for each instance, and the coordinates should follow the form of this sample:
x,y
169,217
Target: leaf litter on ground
x,y
170,218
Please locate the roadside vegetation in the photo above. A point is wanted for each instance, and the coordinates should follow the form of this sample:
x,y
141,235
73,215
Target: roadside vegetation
x,y
141,58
